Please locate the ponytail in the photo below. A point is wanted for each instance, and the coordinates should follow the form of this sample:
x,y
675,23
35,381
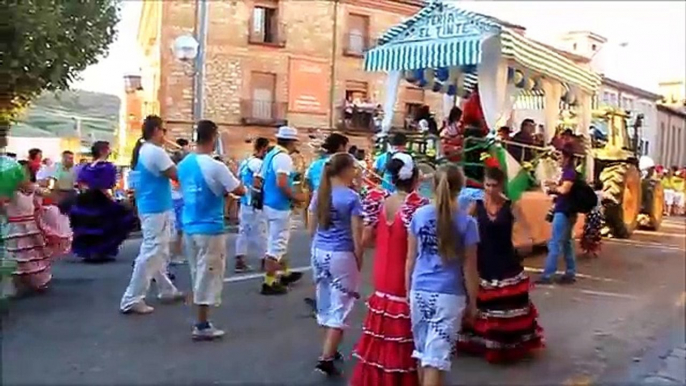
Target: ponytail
x,y
151,124
449,181
136,151
324,198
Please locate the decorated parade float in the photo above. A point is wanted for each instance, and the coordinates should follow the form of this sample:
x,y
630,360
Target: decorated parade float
x,y
483,60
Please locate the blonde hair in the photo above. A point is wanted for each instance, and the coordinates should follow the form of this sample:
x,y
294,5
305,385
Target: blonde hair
x,y
448,182
333,167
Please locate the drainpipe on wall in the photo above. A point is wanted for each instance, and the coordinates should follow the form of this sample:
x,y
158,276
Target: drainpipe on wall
x,y
334,51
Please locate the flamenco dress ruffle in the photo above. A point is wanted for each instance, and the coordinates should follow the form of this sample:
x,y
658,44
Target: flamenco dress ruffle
x,y
384,350
55,227
592,237
506,329
100,225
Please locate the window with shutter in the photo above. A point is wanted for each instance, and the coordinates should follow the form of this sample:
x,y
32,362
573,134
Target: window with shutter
x,y
358,35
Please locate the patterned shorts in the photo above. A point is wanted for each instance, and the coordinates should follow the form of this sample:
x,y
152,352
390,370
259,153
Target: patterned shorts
x,y
337,280
436,320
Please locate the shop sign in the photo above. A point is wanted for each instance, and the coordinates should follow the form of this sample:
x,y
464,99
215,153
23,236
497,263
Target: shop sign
x,y
308,86
443,25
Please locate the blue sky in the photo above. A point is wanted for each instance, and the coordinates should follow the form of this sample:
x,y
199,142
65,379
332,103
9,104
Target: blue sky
x,y
653,33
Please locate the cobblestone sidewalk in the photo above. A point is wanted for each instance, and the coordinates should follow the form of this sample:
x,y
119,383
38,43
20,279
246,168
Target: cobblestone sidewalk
x,y
672,370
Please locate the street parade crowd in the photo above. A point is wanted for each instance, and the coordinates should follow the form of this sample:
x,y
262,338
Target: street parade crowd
x,y
446,277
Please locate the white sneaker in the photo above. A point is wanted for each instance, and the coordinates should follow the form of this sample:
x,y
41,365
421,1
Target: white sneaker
x,y
173,298
209,333
139,308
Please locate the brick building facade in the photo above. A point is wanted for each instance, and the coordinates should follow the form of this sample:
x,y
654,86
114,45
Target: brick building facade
x,y
269,62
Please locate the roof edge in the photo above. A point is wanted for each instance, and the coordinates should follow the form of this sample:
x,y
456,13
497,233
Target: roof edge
x,y
633,89
671,110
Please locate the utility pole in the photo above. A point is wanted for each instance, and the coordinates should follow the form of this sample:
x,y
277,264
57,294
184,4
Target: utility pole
x,y
332,80
201,23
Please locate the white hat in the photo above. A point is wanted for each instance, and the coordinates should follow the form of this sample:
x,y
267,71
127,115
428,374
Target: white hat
x,y
645,163
286,132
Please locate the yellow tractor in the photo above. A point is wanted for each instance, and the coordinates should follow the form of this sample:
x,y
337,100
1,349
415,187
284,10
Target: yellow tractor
x,y
630,199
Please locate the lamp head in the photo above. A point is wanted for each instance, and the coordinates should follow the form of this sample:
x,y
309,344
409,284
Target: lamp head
x,y
185,48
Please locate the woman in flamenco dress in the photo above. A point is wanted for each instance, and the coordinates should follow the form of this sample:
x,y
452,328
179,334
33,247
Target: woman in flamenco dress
x,y
384,351
100,223
35,234
505,329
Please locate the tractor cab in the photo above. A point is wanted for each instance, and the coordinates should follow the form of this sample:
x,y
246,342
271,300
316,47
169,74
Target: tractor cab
x,y
629,201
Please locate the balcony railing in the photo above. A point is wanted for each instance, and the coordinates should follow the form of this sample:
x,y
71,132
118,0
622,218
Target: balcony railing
x,y
355,44
275,37
263,112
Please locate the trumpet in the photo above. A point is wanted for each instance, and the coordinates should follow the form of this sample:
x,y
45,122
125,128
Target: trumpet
x,y
315,144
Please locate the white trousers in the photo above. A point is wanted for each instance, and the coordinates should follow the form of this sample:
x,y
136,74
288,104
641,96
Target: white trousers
x,y
252,231
278,232
207,262
151,262
669,196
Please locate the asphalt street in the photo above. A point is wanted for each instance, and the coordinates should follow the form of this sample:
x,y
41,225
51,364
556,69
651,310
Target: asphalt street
x,y
627,304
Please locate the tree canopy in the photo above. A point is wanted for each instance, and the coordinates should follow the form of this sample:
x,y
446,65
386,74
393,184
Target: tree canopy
x,y
45,45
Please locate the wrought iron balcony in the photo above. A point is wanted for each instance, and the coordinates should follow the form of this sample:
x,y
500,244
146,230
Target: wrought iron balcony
x,y
355,44
263,112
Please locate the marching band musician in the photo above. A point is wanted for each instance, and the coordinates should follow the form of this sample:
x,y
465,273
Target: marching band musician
x,y
153,170
204,183
276,182
398,144
251,226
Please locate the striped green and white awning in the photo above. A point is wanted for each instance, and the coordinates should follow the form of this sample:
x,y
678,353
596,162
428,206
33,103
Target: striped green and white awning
x,y
448,53
426,41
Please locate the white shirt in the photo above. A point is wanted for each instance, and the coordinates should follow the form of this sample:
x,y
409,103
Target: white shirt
x,y
254,165
282,164
217,175
154,158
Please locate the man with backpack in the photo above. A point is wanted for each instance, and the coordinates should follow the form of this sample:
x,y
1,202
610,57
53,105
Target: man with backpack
x,y
571,198
398,144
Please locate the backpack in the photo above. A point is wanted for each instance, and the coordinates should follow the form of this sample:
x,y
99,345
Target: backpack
x,y
582,198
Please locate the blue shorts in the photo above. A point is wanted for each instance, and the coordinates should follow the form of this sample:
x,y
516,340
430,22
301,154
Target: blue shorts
x,y
178,208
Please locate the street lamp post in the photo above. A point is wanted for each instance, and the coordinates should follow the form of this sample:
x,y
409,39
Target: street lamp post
x,y
187,48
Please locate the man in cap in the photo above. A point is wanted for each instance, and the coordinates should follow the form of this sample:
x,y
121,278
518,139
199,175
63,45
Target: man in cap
x,y
275,179
398,145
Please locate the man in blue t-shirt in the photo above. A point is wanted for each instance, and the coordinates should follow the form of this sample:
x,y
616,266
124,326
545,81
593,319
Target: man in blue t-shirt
x,y
251,223
398,144
276,179
153,170
204,184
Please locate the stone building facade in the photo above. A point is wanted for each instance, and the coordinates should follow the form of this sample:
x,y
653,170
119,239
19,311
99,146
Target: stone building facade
x,y
269,62
671,139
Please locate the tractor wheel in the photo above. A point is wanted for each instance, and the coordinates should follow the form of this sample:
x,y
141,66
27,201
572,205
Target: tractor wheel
x,y
653,204
622,196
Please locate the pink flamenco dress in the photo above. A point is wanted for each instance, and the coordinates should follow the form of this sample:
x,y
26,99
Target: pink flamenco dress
x,y
384,351
55,227
26,244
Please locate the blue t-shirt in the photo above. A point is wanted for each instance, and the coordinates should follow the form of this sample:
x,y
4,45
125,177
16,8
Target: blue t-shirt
x,y
380,166
562,201
345,203
430,273
314,172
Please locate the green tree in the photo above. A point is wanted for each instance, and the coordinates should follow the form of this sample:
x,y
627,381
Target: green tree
x,y
45,44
